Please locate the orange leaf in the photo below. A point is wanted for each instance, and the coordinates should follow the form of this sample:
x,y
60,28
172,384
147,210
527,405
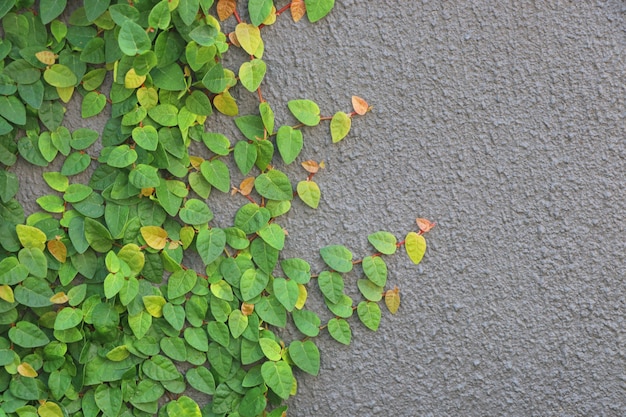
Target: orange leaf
x,y
392,300
247,309
232,37
360,106
225,8
245,188
298,9
58,250
25,369
59,298
424,224
311,166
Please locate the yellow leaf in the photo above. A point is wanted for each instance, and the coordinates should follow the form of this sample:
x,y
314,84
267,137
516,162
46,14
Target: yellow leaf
x,y
154,305
302,296
249,37
147,192
65,93
245,188
196,161
298,10
424,224
132,80
155,236
25,369
392,300
225,8
6,293
415,246
46,57
31,237
59,298
226,104
50,409
58,250
360,106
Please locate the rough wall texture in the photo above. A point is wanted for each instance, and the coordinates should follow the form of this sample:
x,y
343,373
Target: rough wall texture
x,y
504,122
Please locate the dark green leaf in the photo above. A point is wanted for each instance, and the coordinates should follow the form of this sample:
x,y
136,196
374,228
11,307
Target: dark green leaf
x,y
306,356
50,9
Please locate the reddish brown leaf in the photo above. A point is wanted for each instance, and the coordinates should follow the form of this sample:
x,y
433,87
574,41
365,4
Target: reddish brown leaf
x,y
58,250
298,9
246,186
360,106
247,309
424,224
311,166
226,8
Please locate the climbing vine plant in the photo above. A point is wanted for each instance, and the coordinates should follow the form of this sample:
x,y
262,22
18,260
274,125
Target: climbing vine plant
x,y
102,312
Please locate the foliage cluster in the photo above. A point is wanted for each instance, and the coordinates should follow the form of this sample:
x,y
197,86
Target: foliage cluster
x,y
101,313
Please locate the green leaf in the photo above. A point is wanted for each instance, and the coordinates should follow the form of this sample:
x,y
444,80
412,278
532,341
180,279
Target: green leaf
x,y
204,35
375,269
340,126
384,242
217,143
337,257
307,322
59,75
133,39
146,137
297,269
251,74
34,260
9,185
75,163
245,155
180,283
67,318
273,235
370,314
222,290
274,185
217,174
27,335
164,114
306,356
210,244
197,338
188,9
144,176
271,349
251,218
253,403
160,15
289,142
50,9
237,323
6,7
201,379
215,79
12,109
279,377
95,8
252,283
265,256
122,156
160,368
259,10
198,103
174,315
331,284
370,291
339,329
76,192
317,9
93,104
12,271
306,111
98,235
415,246
270,310
195,212
109,400
140,323
251,127
309,192
286,292
31,237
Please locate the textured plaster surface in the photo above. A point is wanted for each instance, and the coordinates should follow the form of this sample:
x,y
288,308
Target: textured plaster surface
x,y
504,122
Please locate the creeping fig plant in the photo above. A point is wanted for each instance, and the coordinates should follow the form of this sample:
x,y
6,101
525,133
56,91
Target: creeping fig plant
x,y
103,311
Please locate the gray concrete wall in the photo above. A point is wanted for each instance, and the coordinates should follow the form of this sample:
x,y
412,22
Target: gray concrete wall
x,y
504,123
